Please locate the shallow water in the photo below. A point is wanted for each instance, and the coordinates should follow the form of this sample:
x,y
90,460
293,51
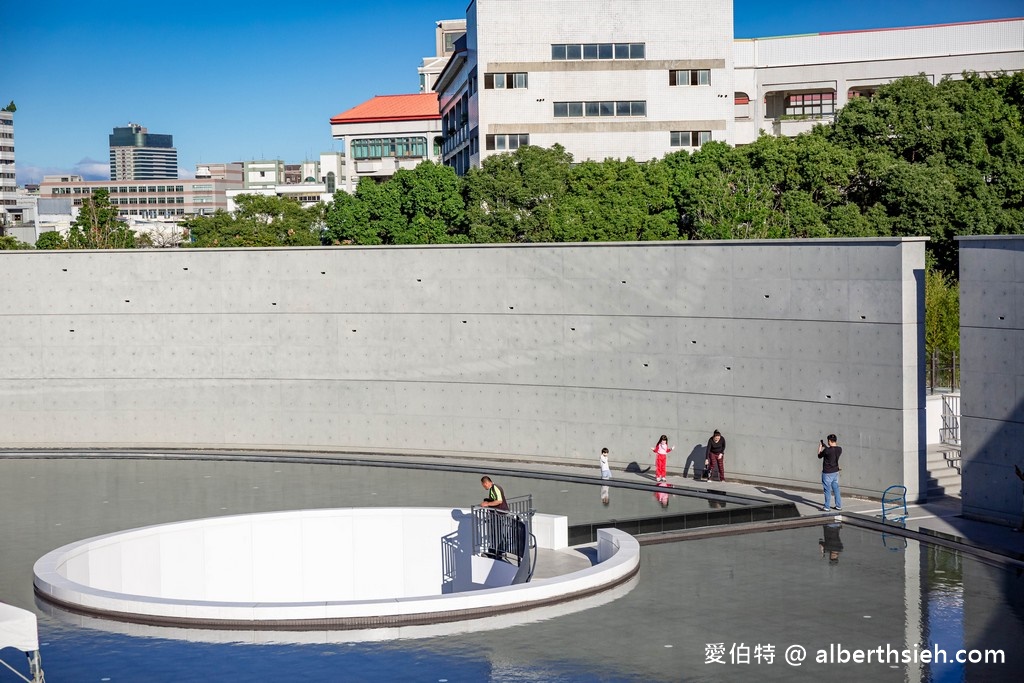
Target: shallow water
x,y
745,593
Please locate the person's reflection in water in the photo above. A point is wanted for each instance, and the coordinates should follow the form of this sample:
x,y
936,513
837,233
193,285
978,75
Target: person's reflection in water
x,y
714,504
661,496
604,495
831,543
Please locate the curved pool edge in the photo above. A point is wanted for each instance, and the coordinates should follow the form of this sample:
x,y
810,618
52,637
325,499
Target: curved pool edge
x,y
618,562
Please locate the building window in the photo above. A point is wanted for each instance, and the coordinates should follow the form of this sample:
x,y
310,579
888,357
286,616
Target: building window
x,y
573,51
861,91
601,108
512,141
690,138
811,104
378,148
689,77
506,81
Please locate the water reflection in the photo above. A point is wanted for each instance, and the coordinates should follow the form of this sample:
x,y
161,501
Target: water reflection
x,y
765,591
662,496
831,544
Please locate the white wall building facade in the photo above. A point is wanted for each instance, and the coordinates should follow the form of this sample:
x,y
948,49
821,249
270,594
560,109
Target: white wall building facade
x,y
8,175
447,32
156,199
786,85
641,78
635,78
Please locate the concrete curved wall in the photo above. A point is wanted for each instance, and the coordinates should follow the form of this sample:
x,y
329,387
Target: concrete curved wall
x,y
540,351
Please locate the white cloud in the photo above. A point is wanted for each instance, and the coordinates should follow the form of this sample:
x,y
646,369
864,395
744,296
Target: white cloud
x,y
89,169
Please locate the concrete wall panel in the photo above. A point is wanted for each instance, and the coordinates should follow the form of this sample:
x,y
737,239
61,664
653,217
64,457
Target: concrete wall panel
x,y
992,376
548,352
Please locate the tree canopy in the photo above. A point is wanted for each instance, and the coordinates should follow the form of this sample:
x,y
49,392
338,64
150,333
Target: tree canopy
x,y
914,159
98,226
258,221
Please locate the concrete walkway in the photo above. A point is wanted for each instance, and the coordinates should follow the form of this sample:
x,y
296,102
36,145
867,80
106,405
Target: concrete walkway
x,y
942,515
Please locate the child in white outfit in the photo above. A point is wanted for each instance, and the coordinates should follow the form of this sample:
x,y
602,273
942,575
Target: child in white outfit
x,y
606,471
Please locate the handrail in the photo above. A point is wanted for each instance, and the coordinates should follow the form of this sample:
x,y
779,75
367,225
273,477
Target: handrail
x,y
949,433
507,535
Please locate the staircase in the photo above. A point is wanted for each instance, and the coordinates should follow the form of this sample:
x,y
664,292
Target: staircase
x,y
943,459
943,465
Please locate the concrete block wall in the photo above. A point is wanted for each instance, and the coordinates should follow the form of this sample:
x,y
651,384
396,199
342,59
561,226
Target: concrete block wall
x,y
526,352
992,376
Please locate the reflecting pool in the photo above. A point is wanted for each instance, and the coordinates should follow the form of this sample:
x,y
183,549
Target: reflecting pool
x,y
742,600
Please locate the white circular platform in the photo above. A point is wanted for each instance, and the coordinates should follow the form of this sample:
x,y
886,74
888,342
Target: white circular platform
x,y
349,568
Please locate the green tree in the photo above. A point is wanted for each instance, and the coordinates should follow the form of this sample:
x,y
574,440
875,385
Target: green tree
x,y
942,160
430,206
9,243
942,313
51,239
616,200
719,196
259,221
348,220
513,197
98,225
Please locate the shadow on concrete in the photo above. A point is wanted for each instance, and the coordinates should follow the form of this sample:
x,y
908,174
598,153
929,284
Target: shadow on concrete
x,y
695,460
457,554
634,468
789,495
590,552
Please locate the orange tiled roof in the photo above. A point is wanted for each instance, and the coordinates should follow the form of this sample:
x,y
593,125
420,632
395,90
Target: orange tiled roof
x,y
418,107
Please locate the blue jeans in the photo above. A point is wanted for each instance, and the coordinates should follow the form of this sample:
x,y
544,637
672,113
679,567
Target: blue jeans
x,y
830,484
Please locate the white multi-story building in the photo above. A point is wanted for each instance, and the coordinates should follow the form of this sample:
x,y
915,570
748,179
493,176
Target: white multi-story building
x,y
387,133
263,173
446,34
631,78
318,182
156,199
786,85
8,175
642,78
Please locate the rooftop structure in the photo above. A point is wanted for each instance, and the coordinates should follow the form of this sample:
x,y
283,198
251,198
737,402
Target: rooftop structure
x,y
386,133
446,34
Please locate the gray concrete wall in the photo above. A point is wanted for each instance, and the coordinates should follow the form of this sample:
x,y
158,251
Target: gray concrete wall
x,y
992,376
548,352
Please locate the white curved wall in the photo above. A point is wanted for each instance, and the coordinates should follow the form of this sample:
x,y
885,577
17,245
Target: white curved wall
x,y
319,555
538,351
347,565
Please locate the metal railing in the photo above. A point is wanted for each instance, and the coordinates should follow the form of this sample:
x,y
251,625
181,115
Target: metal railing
x,y
949,433
942,371
507,535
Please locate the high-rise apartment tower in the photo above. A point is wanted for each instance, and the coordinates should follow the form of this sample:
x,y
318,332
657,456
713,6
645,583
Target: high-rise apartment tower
x,y
137,154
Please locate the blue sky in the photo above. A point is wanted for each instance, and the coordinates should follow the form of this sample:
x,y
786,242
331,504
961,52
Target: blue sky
x,y
234,81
